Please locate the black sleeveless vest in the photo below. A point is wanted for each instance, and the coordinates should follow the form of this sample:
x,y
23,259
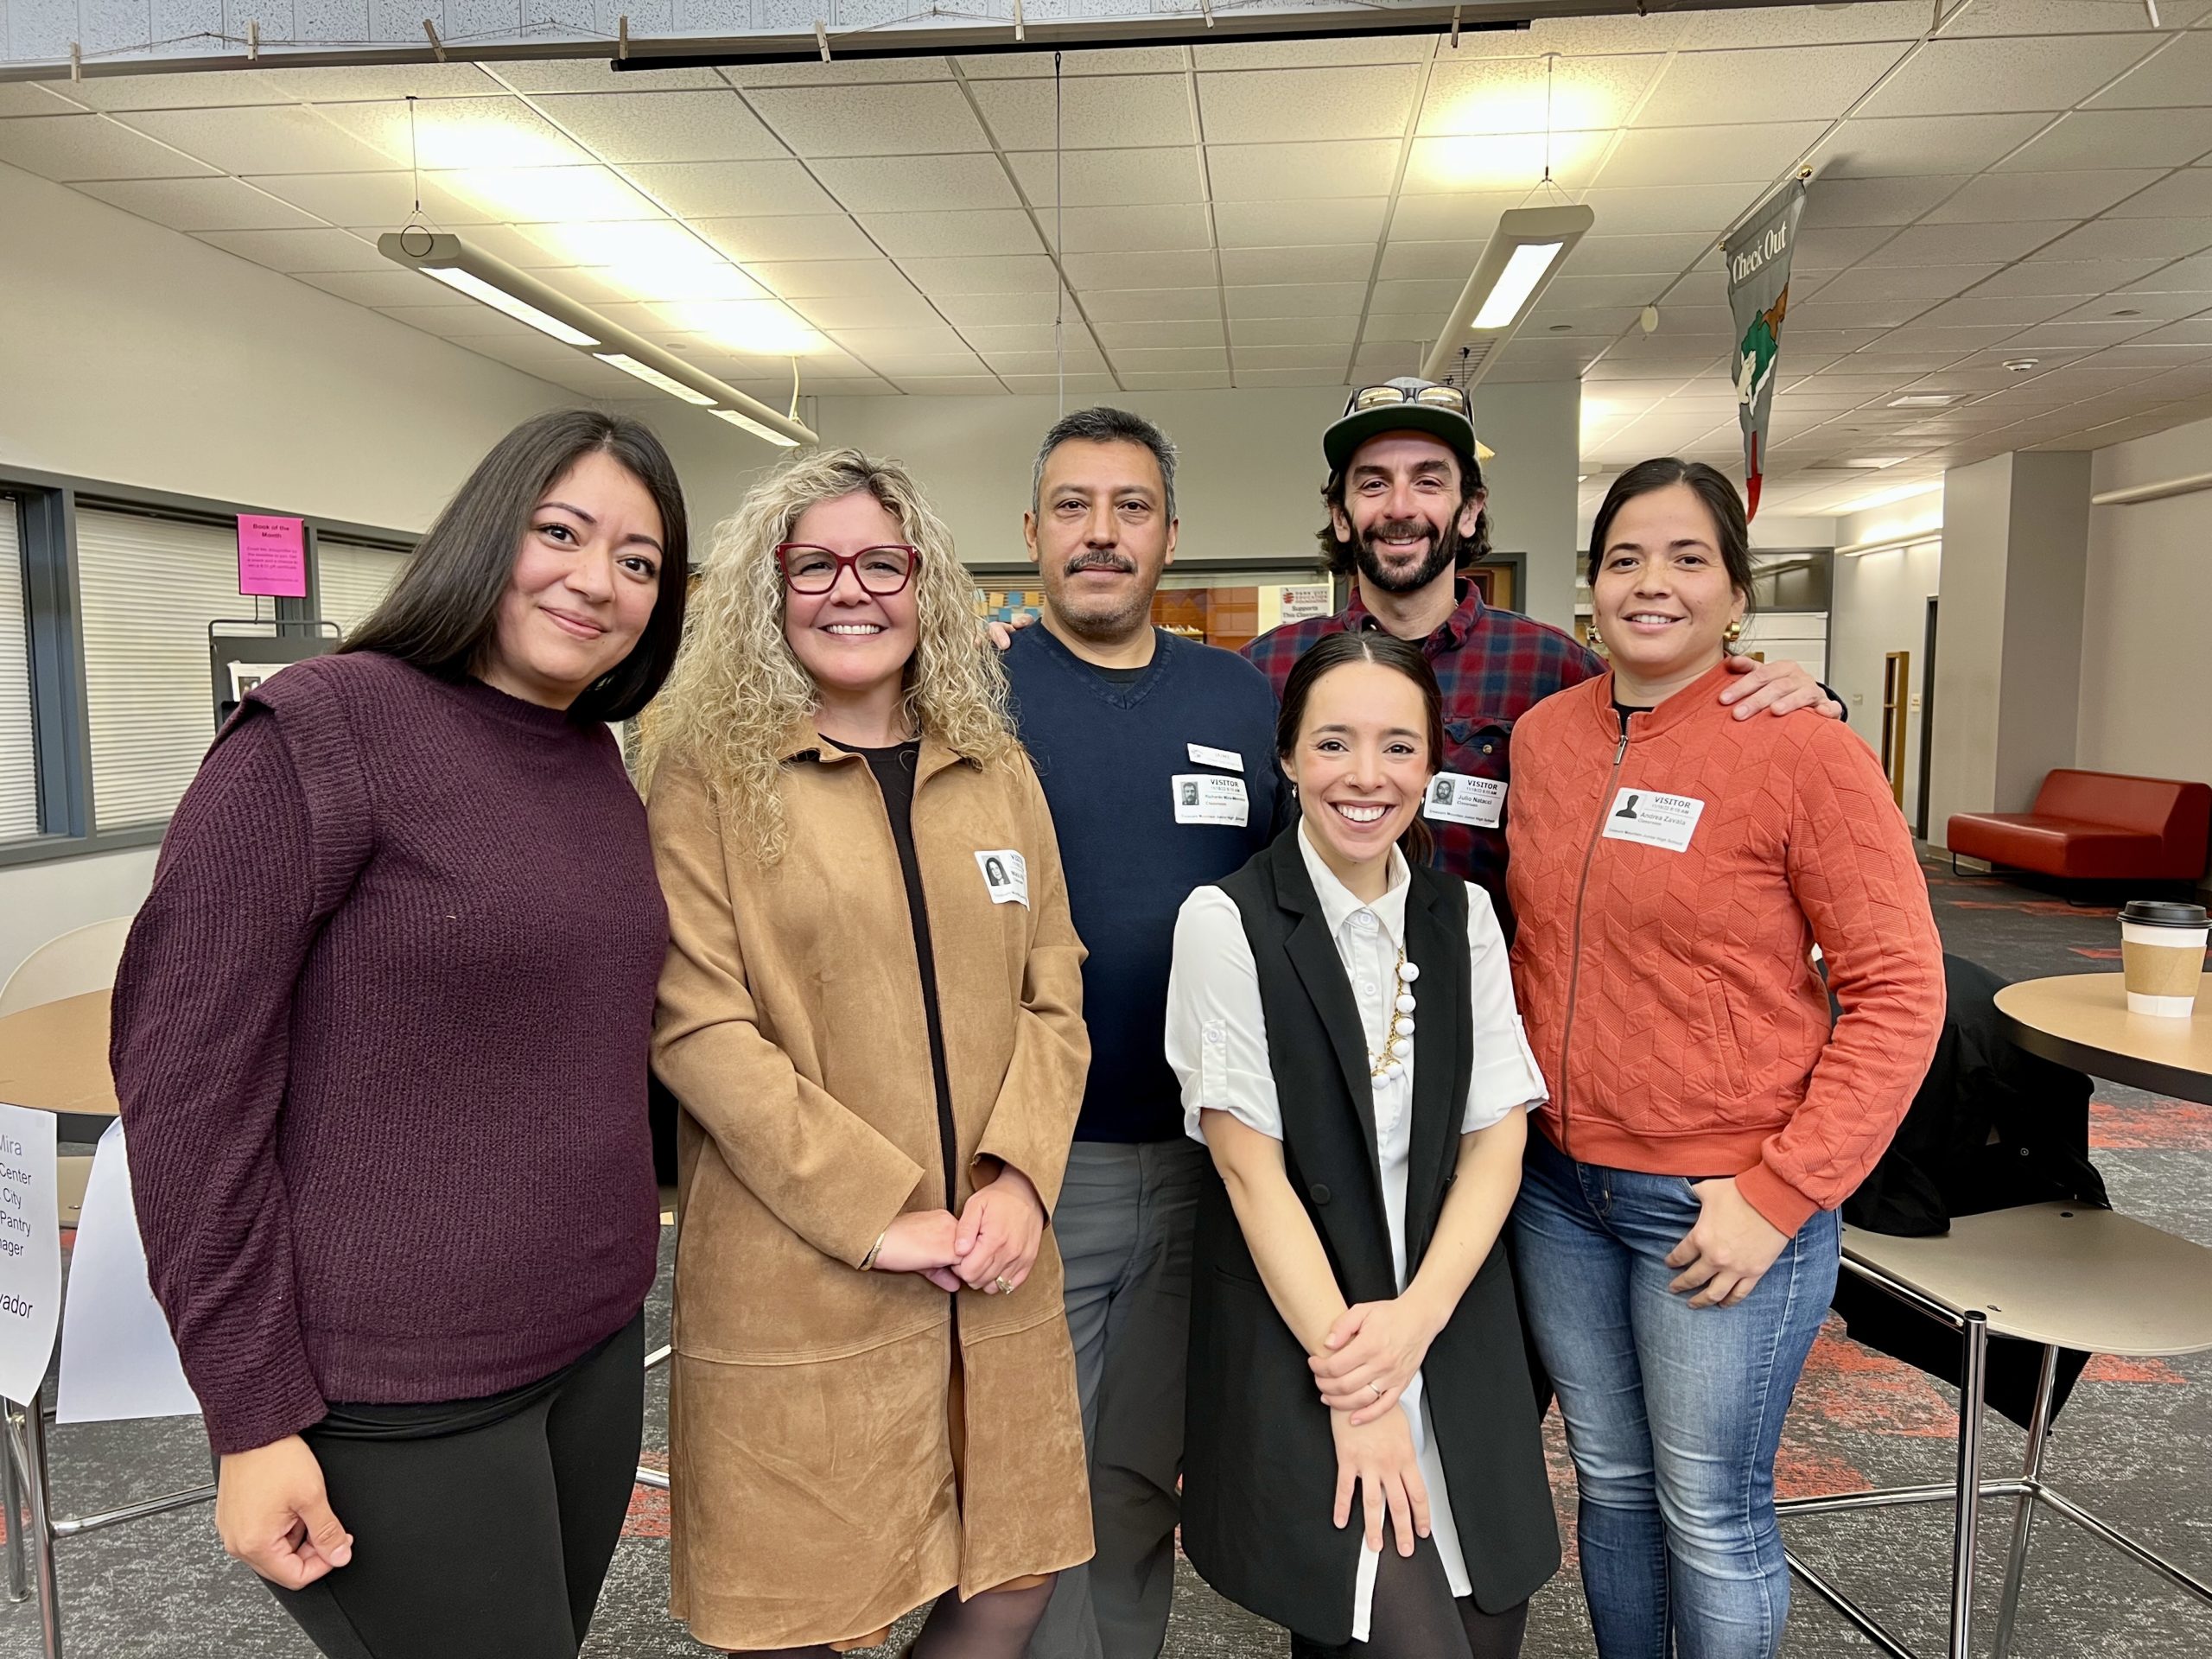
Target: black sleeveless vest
x,y
1259,1464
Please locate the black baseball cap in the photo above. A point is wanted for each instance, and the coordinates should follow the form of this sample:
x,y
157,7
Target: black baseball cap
x,y
1406,404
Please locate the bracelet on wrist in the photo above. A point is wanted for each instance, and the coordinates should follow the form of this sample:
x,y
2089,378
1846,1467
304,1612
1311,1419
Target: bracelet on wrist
x,y
868,1261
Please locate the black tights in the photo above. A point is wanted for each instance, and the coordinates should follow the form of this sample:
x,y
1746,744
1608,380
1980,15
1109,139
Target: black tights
x,y
1415,1615
997,1625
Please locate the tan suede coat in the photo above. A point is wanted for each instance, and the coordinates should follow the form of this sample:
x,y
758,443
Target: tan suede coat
x,y
812,1475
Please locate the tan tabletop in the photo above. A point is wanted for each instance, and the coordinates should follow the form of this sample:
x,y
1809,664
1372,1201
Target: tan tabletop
x,y
2082,1020
54,1058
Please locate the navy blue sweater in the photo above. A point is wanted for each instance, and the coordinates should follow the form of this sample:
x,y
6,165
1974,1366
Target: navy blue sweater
x,y
1114,757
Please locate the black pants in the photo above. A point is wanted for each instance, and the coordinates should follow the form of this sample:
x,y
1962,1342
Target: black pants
x,y
482,1529
1415,1615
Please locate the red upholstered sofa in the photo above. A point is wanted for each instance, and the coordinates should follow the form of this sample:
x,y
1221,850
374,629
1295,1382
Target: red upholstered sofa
x,y
2097,826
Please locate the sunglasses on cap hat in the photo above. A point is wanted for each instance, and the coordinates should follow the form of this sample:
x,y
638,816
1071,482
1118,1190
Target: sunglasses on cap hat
x,y
1436,397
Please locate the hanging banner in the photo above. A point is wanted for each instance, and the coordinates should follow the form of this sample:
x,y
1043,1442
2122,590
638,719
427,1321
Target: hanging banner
x,y
1757,252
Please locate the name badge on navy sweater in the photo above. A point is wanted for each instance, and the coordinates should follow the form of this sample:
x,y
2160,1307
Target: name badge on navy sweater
x,y
1203,756
1458,798
1652,819
1208,797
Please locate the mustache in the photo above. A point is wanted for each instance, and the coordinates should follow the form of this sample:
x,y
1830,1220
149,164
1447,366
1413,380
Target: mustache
x,y
1398,527
1102,561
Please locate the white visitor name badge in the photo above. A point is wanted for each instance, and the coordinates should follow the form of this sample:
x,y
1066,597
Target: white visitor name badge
x,y
1655,820
1006,872
1208,797
1201,755
1458,798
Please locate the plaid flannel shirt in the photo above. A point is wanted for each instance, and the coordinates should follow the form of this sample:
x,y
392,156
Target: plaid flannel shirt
x,y
1493,666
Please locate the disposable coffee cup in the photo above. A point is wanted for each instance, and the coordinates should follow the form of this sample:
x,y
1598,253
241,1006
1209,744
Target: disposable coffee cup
x,y
2162,955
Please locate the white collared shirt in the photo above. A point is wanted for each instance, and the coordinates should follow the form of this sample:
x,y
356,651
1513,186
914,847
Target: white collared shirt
x,y
1218,1043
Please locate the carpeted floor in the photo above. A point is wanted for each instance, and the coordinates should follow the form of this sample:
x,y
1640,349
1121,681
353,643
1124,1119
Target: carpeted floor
x,y
2135,1444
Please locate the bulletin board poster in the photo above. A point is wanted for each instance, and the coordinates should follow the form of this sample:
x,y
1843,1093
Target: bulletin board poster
x,y
1302,600
272,555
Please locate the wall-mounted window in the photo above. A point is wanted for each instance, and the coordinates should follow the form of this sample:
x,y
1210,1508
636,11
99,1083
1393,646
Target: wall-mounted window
x,y
353,579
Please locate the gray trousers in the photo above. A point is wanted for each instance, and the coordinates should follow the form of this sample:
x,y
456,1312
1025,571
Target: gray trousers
x,y
1124,1226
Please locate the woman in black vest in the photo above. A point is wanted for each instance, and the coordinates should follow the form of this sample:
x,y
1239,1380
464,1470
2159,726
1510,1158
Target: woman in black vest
x,y
1353,1328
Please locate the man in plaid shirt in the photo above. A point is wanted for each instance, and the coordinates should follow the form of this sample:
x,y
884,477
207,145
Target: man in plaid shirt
x,y
1405,511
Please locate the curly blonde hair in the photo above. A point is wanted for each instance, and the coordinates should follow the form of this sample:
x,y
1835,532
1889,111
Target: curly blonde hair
x,y
737,688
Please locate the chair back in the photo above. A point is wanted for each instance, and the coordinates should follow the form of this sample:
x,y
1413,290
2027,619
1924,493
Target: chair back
x,y
68,964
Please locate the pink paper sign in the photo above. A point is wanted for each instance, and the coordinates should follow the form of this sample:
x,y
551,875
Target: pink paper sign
x,y
272,555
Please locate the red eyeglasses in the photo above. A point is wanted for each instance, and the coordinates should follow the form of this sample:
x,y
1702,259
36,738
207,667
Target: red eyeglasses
x,y
881,571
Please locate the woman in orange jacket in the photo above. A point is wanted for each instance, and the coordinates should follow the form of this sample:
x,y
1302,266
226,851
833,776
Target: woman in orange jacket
x,y
1675,1234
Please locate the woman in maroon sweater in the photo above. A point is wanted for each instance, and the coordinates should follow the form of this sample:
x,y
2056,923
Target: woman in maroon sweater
x,y
381,1040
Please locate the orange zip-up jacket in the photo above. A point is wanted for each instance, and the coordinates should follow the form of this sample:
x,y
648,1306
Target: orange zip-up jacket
x,y
1670,879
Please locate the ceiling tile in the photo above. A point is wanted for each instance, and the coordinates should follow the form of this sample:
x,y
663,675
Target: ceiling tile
x,y
454,133
1639,256
1768,84
1573,291
283,139
1151,360
1359,167
300,251
1960,245
1268,107
385,198
2083,277
72,148
1977,310
1045,385
1296,224
1153,304
1438,260
842,279
1119,337
977,274
1300,55
2133,238
1293,331
447,321
949,385
1998,197
175,91
2176,77
878,347
1833,202
1935,145
1392,326
1138,380
1096,111
925,118
998,230
1192,268
29,98
1131,230
907,310
2185,195
1252,358
1351,264
1697,209
1027,337
597,75
967,309
1102,61
1896,20
1264,377
1296,299
1110,177
200,204
2184,276
1452,217
1516,95
665,126
1512,162
2158,307
1080,360
2118,139
1752,154
394,288
844,71
918,183
797,235
1965,77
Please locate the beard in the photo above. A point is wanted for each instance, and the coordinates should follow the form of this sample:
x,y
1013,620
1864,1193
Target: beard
x,y
1104,618
1444,550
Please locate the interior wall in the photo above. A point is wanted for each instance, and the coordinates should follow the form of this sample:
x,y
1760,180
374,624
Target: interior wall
x,y
2044,594
1970,661
1881,606
1249,470
2144,707
227,380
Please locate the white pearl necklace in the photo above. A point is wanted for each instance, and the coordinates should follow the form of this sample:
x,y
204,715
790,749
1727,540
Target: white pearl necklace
x,y
1397,1042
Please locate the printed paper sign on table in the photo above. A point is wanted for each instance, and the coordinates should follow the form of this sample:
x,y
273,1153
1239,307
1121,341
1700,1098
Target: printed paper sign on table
x,y
272,555
30,1251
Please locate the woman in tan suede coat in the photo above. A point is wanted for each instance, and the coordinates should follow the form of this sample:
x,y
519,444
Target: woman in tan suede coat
x,y
870,1014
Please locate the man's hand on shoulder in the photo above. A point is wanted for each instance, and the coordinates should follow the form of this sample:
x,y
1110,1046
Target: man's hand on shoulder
x,y
1782,688
1002,633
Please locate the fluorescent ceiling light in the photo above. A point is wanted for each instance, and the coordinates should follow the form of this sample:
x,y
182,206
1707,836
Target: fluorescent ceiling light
x,y
754,427
1924,400
653,377
1523,272
521,310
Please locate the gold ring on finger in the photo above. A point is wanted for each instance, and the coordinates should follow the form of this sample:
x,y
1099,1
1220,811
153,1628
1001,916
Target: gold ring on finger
x,y
1001,1286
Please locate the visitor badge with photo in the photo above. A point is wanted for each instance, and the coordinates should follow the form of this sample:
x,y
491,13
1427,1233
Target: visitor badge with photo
x,y
1652,819
1208,797
1006,872
1203,756
1456,798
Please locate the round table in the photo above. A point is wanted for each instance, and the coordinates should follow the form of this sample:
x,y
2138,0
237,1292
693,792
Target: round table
x,y
2082,1020
54,1058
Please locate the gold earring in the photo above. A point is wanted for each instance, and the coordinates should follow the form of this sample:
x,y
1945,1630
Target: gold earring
x,y
1733,631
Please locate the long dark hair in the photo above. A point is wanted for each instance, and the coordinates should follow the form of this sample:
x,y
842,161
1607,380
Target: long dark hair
x,y
441,614
1733,532
1384,651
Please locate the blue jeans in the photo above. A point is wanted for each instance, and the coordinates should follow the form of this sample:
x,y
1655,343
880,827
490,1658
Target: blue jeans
x,y
1673,1413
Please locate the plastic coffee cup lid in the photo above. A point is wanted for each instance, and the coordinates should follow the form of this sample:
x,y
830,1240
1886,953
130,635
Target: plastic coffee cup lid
x,y
2162,912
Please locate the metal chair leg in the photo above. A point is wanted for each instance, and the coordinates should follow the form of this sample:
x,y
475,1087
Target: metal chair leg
x,y
41,1528
2023,1519
11,1492
1972,1384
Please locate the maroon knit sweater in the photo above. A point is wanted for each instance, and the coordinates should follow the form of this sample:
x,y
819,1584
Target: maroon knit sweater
x,y
381,1043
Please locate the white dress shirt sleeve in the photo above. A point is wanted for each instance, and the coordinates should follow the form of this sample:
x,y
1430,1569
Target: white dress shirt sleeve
x,y
1217,1033
1506,1077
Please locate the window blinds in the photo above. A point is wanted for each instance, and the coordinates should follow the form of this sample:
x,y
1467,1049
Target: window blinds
x,y
150,586
18,737
353,579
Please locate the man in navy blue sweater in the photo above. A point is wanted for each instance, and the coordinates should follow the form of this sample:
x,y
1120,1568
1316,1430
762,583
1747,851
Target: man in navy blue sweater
x,y
1157,755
